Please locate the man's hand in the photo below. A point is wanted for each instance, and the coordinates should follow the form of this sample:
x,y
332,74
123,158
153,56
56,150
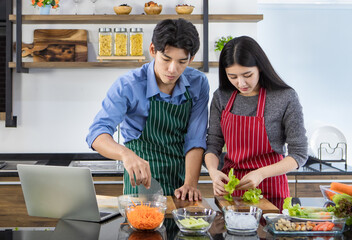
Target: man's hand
x,y
218,178
192,192
136,166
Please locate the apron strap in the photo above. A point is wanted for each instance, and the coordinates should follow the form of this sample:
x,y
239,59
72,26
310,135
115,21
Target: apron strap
x,y
261,102
230,102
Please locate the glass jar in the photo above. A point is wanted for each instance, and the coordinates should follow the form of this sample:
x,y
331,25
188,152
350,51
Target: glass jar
x,y
105,42
136,41
120,38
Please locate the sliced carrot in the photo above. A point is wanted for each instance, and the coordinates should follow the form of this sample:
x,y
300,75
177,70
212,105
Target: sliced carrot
x,y
329,226
145,217
341,187
317,225
321,226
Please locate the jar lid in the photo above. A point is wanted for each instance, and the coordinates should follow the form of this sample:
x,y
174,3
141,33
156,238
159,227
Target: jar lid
x,y
120,29
104,29
136,29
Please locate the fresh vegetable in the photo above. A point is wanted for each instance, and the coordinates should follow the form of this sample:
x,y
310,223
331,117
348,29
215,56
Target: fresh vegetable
x,y
341,187
330,193
193,223
252,195
231,185
343,207
294,210
306,212
144,217
220,43
324,226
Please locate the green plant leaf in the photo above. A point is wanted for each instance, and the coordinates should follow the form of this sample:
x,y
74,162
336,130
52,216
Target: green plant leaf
x,y
220,43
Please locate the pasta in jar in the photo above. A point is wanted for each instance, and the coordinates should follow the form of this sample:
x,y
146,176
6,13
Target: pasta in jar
x,y
136,41
105,42
120,42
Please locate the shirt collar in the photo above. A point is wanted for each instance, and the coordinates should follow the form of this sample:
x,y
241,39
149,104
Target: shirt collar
x,y
152,86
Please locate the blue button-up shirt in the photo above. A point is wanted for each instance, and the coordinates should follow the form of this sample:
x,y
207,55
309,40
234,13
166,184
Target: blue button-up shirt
x,y
128,101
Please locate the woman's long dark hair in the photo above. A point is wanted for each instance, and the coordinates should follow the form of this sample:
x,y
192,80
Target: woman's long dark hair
x,y
245,51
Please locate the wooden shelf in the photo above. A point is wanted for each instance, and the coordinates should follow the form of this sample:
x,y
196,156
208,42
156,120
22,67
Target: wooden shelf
x,y
2,116
114,64
195,18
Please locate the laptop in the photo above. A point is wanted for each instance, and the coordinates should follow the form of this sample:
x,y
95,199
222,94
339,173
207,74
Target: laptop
x,y
61,192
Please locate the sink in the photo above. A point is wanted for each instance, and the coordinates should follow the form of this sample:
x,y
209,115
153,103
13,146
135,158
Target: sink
x,y
100,166
12,165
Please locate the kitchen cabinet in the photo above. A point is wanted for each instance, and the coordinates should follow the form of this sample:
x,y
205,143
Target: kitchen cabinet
x,y
23,67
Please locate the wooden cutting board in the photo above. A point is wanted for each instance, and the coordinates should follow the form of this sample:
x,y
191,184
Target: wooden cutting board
x,y
264,204
174,203
58,45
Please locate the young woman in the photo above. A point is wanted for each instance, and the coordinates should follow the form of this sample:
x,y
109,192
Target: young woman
x,y
254,112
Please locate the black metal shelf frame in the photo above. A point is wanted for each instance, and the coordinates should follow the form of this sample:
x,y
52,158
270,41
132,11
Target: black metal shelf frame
x,y
11,121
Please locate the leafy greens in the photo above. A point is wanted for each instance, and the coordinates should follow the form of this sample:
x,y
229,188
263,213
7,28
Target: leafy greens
x,y
343,207
231,185
252,195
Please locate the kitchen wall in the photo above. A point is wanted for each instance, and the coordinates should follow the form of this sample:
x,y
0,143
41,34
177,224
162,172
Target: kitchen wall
x,y
309,44
55,107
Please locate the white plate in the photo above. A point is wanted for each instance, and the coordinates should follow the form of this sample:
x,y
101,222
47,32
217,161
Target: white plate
x,y
285,212
331,135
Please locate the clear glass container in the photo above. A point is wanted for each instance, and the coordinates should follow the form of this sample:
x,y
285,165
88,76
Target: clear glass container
x,y
105,42
136,42
121,41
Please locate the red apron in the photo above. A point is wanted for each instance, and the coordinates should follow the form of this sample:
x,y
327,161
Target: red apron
x,y
248,148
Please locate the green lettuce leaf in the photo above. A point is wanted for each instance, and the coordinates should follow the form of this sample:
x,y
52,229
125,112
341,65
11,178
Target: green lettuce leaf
x,y
295,210
231,185
252,195
343,208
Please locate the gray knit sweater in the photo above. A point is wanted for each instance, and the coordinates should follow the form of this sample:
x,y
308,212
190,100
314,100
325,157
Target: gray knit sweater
x,y
283,121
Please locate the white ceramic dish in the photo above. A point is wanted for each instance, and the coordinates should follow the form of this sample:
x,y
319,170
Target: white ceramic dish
x,y
331,136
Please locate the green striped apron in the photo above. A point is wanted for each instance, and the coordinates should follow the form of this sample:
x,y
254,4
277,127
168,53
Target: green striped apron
x,y
161,144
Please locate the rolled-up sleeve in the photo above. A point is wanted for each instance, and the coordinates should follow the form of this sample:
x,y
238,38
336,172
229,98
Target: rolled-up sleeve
x,y
113,110
197,127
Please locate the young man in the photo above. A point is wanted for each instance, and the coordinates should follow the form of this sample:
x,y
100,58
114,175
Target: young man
x,y
163,111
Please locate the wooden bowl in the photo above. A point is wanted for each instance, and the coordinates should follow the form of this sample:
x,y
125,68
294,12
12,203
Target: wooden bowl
x,y
184,9
153,10
123,10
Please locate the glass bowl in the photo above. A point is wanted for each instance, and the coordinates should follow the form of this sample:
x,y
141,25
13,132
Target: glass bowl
x,y
240,221
273,226
327,192
145,216
194,220
129,199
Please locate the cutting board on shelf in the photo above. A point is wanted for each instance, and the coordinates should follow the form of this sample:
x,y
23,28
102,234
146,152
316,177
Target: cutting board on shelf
x,y
264,204
58,45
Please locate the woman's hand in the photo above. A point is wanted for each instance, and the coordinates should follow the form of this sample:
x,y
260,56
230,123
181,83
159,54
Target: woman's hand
x,y
218,178
250,180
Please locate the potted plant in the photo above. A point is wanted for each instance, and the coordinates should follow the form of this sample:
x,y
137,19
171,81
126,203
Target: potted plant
x,y
220,43
45,5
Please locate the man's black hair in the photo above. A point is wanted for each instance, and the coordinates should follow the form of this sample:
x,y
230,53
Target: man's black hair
x,y
176,33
